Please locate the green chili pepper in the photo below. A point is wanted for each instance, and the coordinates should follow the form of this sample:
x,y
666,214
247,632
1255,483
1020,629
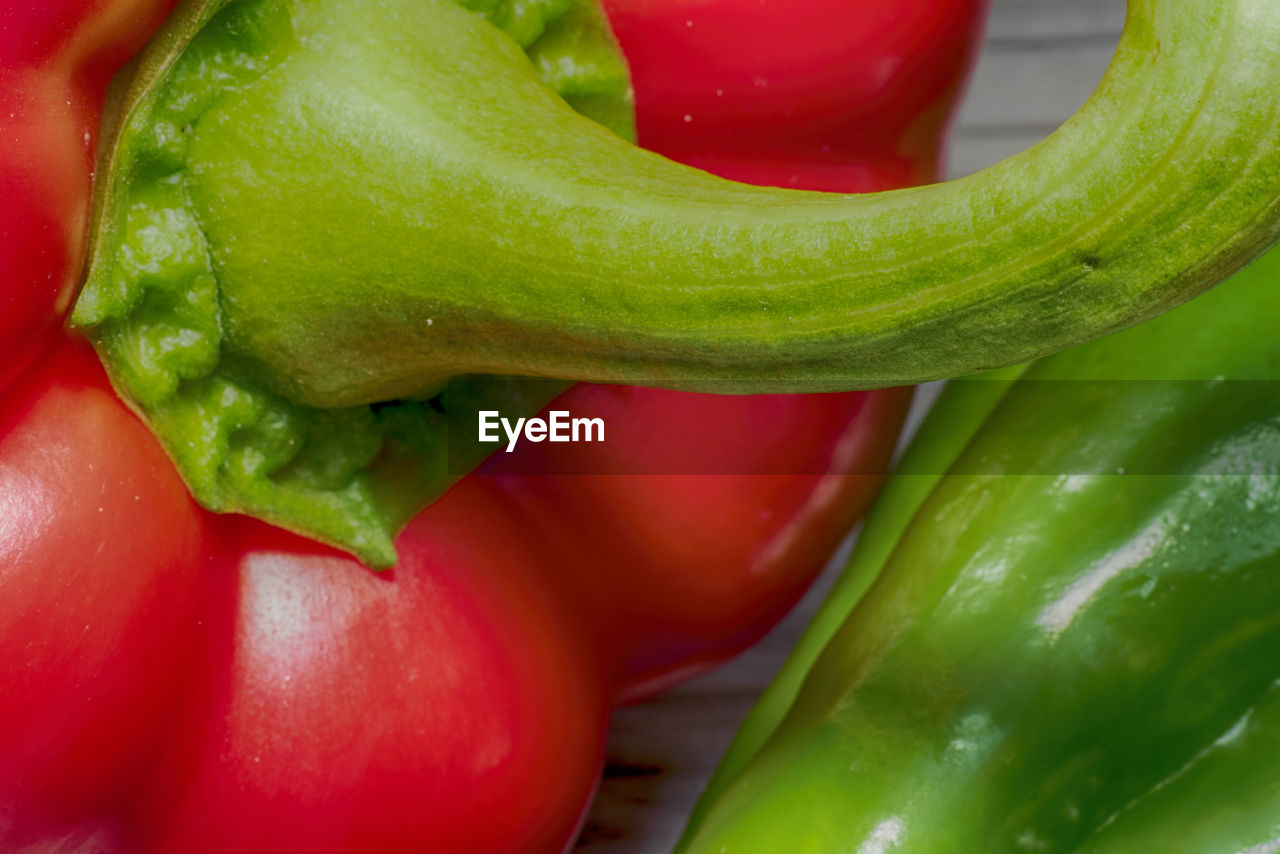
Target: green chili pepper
x,y
1074,642
316,207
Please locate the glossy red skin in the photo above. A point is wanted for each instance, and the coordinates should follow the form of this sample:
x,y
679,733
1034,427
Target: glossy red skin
x,y
453,704
684,570
816,94
102,561
253,692
56,58
176,681
246,690
459,702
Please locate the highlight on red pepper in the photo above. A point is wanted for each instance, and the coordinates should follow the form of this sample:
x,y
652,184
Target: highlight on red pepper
x,y
311,210
177,681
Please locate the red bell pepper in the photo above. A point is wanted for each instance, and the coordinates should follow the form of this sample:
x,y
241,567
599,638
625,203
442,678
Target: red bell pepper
x,y
176,681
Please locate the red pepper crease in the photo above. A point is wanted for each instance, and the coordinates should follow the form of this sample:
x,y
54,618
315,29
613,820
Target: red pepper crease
x,y
177,682
56,59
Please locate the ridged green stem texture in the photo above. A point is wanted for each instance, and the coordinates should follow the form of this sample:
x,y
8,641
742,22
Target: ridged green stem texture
x,y
351,474
1073,643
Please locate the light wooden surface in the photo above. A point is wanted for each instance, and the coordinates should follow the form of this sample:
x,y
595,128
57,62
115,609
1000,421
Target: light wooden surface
x,y
1041,60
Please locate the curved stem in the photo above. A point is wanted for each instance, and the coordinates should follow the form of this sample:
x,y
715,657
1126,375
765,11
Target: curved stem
x,y
422,183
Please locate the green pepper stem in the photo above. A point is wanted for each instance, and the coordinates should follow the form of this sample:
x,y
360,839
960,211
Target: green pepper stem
x,y
408,202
